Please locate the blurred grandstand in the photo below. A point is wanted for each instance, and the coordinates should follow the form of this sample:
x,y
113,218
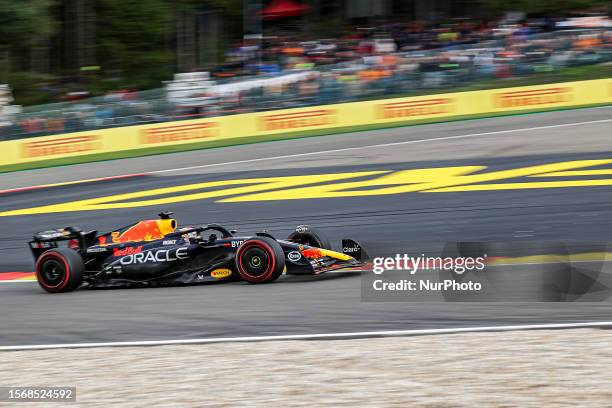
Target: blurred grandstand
x,y
408,59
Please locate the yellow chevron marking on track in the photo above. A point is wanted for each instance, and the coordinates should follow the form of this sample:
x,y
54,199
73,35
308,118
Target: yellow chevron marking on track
x,y
552,258
576,173
428,180
354,184
404,181
235,187
522,186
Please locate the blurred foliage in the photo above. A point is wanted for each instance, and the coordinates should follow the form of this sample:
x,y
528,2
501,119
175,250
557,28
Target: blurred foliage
x,y
230,8
549,7
25,93
133,40
23,22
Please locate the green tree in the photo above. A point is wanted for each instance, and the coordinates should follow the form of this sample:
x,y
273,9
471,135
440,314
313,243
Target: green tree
x,y
23,25
550,7
133,38
24,22
230,8
25,29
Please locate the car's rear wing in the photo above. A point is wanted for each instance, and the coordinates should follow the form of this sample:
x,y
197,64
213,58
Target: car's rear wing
x,y
45,240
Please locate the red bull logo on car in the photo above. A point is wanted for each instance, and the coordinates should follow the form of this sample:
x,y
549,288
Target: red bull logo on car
x,y
147,230
127,251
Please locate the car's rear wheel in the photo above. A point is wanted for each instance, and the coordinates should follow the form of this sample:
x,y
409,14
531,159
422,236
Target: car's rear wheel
x,y
260,260
60,270
311,237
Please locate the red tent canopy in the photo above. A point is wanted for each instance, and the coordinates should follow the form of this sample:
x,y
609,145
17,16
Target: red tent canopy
x,y
283,8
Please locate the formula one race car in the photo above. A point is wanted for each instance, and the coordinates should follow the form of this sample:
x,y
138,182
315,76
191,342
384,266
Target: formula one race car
x,y
156,252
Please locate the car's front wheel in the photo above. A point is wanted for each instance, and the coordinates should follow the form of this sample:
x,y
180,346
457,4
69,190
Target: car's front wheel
x,y
310,236
60,270
260,260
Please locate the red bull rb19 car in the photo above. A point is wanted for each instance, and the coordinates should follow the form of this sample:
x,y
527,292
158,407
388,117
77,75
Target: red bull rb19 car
x,y
157,252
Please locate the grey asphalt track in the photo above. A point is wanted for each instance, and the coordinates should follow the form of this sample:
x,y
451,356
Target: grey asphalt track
x,y
386,224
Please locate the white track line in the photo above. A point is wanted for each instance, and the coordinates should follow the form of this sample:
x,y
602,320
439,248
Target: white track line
x,y
407,142
17,281
324,336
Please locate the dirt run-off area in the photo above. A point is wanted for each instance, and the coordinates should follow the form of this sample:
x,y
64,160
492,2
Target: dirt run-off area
x,y
542,368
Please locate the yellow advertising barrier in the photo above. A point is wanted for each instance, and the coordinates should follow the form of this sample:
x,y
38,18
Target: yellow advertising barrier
x,y
494,101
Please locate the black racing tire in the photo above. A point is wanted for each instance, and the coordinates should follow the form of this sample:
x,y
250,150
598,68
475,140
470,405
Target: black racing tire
x,y
260,260
60,270
311,237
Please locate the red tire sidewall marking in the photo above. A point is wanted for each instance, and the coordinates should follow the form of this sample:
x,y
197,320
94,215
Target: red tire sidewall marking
x,y
66,278
267,249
